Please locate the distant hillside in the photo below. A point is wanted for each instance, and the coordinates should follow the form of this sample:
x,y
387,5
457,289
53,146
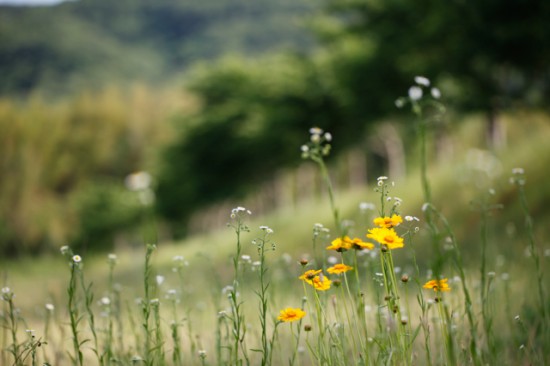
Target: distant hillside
x,y
89,42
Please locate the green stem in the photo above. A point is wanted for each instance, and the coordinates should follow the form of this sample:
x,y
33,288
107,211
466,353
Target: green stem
x,y
89,296
335,213
446,327
73,314
467,298
146,303
534,252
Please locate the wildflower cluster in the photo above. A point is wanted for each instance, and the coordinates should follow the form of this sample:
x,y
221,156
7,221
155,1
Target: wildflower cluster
x,y
346,243
317,279
318,146
416,92
356,307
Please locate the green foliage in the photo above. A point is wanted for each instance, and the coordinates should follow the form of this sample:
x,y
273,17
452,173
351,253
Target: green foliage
x,y
88,43
248,126
57,157
105,209
465,46
370,51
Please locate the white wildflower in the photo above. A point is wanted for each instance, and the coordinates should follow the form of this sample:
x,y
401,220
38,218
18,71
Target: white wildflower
x,y
421,80
315,131
518,171
436,93
138,181
365,206
415,93
160,279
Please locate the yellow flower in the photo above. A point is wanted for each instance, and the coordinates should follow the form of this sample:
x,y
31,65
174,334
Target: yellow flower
x,y
388,222
339,268
291,314
346,243
340,244
387,237
437,285
308,276
321,283
315,278
359,244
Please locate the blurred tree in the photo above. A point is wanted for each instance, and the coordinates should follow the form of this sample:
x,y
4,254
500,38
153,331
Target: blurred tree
x,y
487,54
253,119
254,114
105,209
63,166
89,43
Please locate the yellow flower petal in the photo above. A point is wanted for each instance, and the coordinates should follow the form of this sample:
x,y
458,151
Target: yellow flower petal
x,y
339,268
291,314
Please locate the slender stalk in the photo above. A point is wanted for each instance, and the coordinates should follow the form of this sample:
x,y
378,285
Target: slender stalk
x,y
12,325
543,307
446,330
328,182
534,253
146,304
426,189
297,338
237,316
74,313
88,299
263,296
484,286
467,297
159,358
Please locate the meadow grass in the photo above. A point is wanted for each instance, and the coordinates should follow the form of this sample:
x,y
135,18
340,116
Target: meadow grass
x,y
390,288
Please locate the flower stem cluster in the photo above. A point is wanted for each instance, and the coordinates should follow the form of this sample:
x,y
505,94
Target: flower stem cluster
x,y
318,146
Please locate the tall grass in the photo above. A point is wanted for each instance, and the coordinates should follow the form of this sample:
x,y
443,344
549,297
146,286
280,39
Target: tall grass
x,y
359,294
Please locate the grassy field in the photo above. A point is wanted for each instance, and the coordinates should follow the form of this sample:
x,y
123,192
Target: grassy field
x,y
215,298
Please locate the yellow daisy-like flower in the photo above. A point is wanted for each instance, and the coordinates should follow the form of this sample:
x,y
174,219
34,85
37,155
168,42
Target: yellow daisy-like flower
x,y
308,276
387,237
340,244
388,222
315,278
437,285
321,283
339,268
291,314
359,244
346,243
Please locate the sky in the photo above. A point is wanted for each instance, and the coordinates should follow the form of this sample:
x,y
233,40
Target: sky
x,y
30,2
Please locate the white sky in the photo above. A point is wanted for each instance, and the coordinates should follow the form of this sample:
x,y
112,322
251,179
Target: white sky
x,y
30,2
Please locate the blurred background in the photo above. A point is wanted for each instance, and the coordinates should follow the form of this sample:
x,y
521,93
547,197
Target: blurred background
x,y
118,114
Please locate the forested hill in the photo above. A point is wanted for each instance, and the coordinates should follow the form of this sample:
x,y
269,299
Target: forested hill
x,y
86,43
